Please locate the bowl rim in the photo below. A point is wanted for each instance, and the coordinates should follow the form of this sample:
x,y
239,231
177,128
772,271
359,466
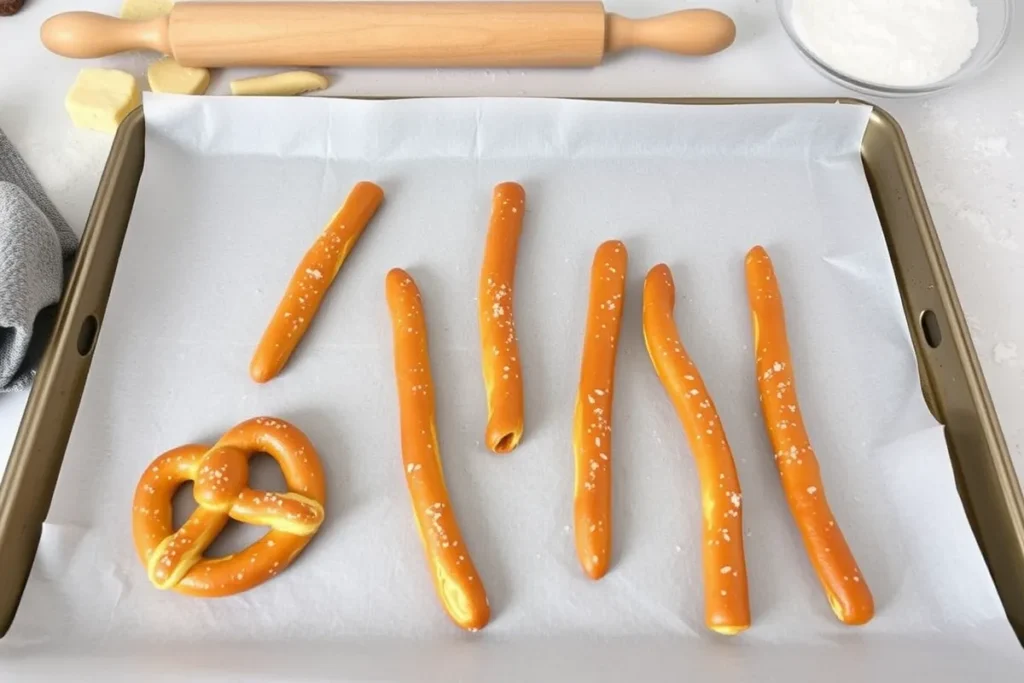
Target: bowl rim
x,y
783,8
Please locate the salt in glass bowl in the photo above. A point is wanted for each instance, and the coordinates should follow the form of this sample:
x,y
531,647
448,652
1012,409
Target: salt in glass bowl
x,y
995,19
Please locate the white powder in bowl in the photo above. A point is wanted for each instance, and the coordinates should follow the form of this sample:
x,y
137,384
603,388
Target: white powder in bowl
x,y
889,42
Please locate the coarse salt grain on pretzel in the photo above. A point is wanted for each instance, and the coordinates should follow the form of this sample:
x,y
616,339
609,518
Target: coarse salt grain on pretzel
x,y
311,281
592,425
837,570
726,601
499,348
455,577
174,559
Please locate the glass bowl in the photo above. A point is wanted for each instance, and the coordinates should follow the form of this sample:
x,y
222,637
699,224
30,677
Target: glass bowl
x,y
995,17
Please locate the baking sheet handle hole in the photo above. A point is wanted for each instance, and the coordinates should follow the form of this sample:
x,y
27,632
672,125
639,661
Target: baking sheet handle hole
x,y
87,335
931,329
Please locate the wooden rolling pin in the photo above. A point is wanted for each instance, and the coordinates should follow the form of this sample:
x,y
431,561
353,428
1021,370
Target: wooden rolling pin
x,y
429,34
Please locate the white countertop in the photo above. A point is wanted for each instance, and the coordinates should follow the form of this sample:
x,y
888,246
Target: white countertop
x,y
968,146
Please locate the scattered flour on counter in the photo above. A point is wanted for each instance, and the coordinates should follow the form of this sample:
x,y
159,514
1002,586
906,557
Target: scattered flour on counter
x,y
992,147
977,221
963,214
937,118
1005,354
974,327
889,42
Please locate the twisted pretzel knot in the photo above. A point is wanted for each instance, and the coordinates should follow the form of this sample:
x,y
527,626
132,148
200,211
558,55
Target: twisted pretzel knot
x,y
174,559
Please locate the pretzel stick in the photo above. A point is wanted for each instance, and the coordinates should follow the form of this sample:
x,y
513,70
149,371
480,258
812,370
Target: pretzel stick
x,y
311,280
592,425
726,603
847,592
499,347
455,578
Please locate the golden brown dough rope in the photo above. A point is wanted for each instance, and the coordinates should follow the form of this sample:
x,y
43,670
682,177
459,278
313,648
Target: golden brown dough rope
x,y
173,559
847,591
455,577
726,601
311,280
499,348
592,426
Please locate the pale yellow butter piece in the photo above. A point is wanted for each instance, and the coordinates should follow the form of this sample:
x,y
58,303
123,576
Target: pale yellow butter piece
x,y
101,98
287,83
145,9
166,75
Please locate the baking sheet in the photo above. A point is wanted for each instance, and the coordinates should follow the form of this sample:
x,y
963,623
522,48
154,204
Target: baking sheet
x,y
212,245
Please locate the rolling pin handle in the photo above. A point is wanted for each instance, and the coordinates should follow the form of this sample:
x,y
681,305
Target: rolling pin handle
x,y
86,35
687,32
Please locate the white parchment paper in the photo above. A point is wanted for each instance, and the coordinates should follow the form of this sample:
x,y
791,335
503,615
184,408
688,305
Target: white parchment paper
x,y
233,193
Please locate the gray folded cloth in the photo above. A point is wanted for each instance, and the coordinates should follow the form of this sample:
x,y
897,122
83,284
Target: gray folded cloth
x,y
36,250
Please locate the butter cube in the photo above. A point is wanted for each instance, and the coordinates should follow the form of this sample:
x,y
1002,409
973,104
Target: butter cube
x,y
101,98
167,76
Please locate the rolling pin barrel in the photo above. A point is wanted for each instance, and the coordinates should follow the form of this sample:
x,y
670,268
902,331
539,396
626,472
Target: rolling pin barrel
x,y
431,34
389,34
